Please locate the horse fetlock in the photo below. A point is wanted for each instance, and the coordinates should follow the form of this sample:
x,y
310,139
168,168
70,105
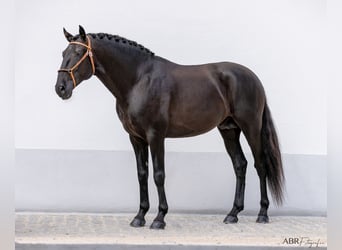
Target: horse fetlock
x,y
144,206
238,208
264,203
163,209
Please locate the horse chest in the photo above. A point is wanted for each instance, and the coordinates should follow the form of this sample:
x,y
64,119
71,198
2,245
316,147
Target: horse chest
x,y
130,122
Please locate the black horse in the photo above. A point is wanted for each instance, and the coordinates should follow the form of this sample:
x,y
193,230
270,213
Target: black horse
x,y
157,98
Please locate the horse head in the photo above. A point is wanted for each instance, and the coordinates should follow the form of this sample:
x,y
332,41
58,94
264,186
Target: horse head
x,y
77,65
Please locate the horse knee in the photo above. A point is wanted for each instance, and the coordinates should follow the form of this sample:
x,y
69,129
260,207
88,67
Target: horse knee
x,y
240,168
159,178
260,170
142,176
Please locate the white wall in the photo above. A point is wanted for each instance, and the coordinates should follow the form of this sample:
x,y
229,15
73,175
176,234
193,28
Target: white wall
x,y
281,41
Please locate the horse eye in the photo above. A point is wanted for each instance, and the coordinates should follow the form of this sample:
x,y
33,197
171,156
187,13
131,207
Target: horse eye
x,y
77,52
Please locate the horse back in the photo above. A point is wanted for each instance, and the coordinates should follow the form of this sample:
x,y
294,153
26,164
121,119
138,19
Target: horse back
x,y
202,96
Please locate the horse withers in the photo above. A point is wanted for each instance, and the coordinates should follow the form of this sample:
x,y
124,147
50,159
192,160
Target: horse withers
x,y
156,99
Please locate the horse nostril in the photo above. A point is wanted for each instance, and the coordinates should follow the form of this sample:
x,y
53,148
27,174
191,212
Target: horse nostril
x,y
61,89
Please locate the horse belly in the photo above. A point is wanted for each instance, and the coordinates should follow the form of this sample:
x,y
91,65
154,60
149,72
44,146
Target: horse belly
x,y
195,112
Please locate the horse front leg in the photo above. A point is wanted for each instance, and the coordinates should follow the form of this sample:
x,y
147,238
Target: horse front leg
x,y
157,152
141,154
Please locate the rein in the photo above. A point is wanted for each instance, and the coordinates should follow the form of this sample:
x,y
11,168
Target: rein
x,y
88,53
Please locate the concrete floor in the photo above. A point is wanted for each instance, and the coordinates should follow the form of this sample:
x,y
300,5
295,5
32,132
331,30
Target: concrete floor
x,y
51,231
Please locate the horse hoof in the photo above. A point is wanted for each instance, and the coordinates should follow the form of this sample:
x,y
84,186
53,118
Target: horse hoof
x,y
136,222
230,219
158,224
262,219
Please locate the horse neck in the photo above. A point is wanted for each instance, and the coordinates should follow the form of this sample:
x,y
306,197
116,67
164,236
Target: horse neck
x,y
117,68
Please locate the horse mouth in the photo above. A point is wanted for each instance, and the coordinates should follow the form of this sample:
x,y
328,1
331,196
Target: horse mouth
x,y
66,97
63,92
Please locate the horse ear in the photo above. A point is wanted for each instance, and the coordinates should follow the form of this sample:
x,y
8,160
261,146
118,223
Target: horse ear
x,y
67,35
83,34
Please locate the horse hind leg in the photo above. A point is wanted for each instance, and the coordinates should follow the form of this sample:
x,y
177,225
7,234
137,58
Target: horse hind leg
x,y
252,131
231,134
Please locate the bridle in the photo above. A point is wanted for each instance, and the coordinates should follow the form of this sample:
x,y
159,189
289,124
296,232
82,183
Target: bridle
x,y
88,53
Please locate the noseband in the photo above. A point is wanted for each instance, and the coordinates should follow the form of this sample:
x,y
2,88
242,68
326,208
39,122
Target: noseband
x,y
88,53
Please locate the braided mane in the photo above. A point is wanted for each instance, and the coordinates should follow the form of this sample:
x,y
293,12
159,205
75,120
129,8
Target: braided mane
x,y
124,42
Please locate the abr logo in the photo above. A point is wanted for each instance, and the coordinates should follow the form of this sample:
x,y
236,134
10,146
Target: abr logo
x,y
291,241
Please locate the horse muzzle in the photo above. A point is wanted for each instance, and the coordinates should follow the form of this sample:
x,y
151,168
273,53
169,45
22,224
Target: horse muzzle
x,y
63,91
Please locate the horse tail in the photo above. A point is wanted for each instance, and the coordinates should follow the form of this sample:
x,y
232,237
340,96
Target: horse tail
x,y
272,157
